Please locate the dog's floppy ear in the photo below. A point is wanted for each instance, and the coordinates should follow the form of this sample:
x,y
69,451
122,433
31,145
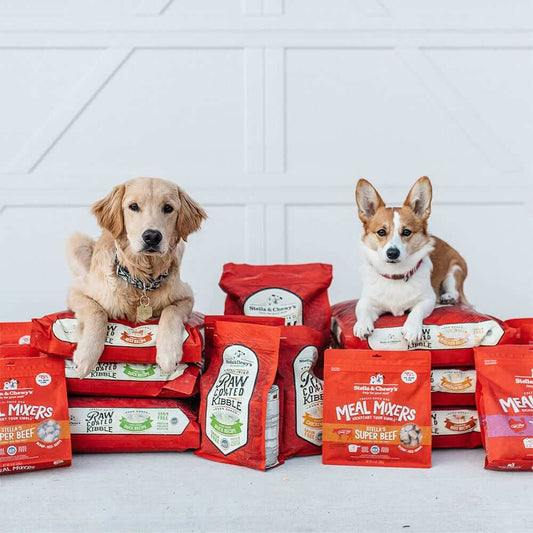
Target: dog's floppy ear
x,y
108,211
419,198
190,215
368,200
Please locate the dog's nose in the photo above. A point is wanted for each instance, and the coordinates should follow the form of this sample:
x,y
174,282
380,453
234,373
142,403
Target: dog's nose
x,y
393,253
152,237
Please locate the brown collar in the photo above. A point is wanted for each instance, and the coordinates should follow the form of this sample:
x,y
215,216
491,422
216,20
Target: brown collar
x,y
405,277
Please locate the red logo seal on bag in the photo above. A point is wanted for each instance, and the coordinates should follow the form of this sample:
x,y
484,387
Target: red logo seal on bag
x,y
137,336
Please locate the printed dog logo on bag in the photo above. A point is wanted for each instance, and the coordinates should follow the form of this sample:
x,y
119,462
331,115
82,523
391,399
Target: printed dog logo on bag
x,y
228,400
309,396
11,384
377,379
275,301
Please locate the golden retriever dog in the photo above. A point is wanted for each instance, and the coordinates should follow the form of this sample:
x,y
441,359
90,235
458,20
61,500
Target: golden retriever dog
x,y
133,271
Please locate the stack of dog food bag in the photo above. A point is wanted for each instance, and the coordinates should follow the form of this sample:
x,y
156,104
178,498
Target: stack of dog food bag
x,y
451,335
126,403
261,400
271,387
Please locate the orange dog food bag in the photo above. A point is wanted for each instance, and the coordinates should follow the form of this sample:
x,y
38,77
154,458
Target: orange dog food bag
x,y
504,396
34,419
377,408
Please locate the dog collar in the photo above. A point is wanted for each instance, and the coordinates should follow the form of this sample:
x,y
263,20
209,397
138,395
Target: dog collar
x,y
405,277
124,273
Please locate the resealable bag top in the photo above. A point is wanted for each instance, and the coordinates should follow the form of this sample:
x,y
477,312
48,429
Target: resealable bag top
x,y
297,293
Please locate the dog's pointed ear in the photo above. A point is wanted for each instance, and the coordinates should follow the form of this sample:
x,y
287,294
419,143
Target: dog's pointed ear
x,y
108,211
368,200
190,215
419,198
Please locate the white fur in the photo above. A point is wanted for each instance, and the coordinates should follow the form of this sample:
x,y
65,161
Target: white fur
x,y
450,294
396,241
381,295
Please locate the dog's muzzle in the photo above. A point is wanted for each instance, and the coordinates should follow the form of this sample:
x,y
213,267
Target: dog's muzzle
x,y
393,254
152,239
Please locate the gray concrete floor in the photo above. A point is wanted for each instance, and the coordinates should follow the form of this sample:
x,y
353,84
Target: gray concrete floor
x,y
181,492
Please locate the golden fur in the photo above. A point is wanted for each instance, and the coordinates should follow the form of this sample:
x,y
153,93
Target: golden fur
x,y
97,293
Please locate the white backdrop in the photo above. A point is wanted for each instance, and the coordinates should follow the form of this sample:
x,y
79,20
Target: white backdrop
x,y
267,111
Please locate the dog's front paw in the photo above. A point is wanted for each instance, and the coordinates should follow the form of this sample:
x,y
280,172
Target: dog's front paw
x,y
363,328
449,298
412,331
85,361
168,357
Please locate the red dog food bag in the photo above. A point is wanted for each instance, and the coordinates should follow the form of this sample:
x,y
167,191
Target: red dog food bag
x,y
297,293
302,392
134,380
450,333
125,342
34,426
525,329
453,386
377,408
210,321
239,407
110,425
455,427
17,350
15,332
505,403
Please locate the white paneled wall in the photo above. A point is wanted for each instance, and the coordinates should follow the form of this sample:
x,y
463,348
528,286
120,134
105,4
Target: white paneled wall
x,y
267,111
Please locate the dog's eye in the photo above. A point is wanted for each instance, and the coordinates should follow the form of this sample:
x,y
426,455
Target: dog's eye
x,y
167,208
134,207
406,232
381,232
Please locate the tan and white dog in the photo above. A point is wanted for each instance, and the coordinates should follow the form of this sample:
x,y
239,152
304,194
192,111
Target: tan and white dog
x,y
133,271
405,268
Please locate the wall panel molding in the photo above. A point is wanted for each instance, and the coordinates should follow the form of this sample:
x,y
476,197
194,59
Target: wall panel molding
x,y
262,57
